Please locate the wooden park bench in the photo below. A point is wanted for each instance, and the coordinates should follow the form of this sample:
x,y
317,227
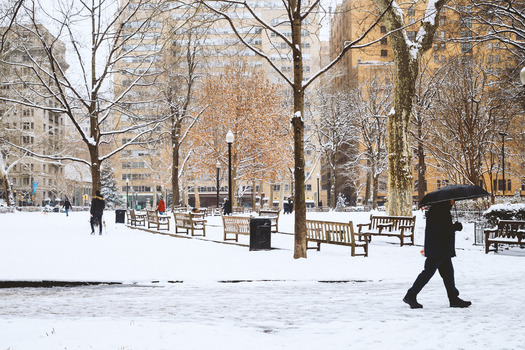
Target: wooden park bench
x,y
235,225
156,220
401,227
136,219
190,222
339,233
273,215
506,232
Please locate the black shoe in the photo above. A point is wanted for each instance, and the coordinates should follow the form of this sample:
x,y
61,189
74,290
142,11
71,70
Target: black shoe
x,y
92,232
411,300
457,302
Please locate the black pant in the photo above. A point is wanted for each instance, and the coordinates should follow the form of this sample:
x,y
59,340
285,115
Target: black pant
x,y
446,270
96,218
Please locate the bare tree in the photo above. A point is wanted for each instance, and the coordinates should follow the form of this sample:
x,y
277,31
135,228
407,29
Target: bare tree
x,y
116,30
288,33
407,55
372,102
469,110
336,137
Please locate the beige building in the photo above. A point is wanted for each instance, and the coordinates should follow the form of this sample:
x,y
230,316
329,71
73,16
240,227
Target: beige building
x,y
376,60
217,46
34,181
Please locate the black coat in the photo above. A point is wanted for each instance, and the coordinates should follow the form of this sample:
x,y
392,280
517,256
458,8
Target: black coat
x,y
67,205
97,205
440,232
227,208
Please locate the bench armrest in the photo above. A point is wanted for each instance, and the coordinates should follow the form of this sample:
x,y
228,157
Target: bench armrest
x,y
360,226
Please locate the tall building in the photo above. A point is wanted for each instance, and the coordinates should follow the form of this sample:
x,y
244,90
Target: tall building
x,y
215,45
34,181
360,66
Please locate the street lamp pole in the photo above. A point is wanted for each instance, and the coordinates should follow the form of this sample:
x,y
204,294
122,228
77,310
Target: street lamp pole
x,y
318,193
229,140
127,193
503,134
218,166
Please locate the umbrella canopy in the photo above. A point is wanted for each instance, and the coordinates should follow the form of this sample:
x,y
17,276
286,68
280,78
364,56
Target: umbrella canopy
x,y
455,192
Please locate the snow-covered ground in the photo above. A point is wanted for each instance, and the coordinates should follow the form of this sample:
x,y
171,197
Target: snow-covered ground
x,y
179,293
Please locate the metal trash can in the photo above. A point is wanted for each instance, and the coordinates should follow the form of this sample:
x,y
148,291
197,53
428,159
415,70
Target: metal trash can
x,y
120,216
260,234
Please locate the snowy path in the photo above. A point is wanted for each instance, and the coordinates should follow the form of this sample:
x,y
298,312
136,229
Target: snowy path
x,y
285,307
364,315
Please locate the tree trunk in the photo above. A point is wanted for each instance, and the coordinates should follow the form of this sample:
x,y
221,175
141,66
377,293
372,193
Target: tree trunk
x,y
270,204
298,127
175,135
95,170
254,196
406,58
196,193
421,169
375,189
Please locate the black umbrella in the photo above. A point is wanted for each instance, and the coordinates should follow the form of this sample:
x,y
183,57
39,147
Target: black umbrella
x,y
455,192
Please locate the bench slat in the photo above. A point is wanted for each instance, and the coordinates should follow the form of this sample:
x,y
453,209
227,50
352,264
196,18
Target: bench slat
x,y
510,232
390,226
334,233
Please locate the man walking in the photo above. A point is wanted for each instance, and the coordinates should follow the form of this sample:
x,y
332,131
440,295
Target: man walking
x,y
440,237
97,209
67,206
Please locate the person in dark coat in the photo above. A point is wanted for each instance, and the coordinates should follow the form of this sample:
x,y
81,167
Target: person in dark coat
x,y
97,209
67,206
226,207
440,234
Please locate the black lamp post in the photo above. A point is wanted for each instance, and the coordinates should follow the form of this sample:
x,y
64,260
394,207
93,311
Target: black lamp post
x,y
318,193
503,134
229,140
218,166
127,193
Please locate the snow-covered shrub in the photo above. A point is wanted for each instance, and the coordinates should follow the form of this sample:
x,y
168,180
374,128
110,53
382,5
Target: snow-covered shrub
x,y
341,201
508,211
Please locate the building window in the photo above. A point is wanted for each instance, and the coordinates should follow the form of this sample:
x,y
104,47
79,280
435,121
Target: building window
x,y
383,29
441,183
384,53
501,185
411,11
466,47
276,187
308,187
384,41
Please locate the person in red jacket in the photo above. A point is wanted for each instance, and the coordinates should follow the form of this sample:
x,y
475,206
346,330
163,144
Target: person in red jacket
x,y
161,207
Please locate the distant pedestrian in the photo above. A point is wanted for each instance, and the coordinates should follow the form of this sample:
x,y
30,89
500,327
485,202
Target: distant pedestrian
x,y
67,206
161,206
97,209
226,207
440,234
